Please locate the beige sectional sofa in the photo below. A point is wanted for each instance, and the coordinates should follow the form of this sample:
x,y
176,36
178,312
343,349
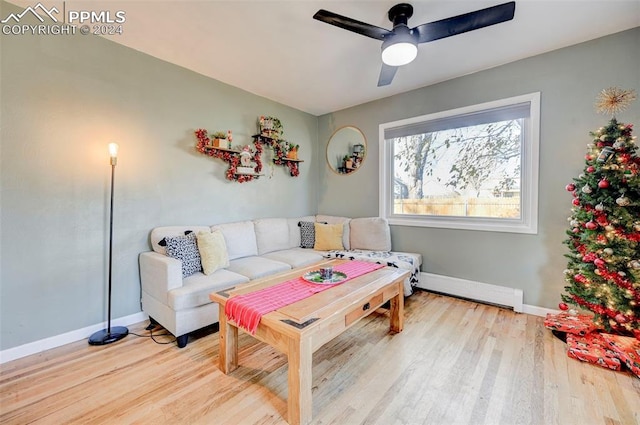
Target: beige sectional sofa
x,y
179,299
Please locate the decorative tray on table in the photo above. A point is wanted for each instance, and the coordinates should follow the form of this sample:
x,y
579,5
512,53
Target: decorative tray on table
x,y
315,277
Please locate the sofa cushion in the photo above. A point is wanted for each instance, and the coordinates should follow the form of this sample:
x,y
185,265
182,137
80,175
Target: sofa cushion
x,y
159,233
256,267
213,251
240,238
328,237
370,233
185,249
272,234
330,219
195,289
296,257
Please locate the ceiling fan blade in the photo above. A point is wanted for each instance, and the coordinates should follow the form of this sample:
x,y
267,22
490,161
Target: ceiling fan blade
x,y
465,22
351,24
387,73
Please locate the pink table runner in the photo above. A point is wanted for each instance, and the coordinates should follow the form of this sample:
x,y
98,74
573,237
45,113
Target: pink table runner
x,y
247,310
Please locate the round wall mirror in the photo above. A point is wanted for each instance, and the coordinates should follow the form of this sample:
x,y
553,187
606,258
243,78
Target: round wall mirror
x,y
346,150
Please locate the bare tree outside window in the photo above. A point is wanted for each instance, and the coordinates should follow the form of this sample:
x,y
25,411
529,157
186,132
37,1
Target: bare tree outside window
x,y
469,171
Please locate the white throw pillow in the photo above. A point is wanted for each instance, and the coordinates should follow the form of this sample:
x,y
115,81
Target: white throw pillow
x,y
370,233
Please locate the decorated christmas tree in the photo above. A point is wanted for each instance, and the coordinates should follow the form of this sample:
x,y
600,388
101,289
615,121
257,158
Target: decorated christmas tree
x,y
603,272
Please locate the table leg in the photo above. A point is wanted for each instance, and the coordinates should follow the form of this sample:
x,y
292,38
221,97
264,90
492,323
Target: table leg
x,y
228,336
300,404
397,310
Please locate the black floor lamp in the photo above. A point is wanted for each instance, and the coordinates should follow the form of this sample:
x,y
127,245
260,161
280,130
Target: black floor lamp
x,y
115,333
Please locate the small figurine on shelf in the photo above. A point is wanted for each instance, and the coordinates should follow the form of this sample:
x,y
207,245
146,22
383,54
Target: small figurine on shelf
x,y
245,156
246,159
229,138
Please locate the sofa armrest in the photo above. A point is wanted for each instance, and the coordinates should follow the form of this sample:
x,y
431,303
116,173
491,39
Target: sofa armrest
x,y
159,274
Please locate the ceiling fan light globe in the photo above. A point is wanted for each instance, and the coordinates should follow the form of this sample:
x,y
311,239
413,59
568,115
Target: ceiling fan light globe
x,y
400,53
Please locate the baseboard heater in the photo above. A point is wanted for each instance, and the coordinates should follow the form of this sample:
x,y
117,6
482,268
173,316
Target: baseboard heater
x,y
469,289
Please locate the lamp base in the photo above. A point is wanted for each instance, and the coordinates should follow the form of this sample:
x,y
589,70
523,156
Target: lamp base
x,y
104,337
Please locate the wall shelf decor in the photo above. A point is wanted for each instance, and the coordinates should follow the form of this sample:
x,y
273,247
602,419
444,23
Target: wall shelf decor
x,y
245,164
281,152
238,171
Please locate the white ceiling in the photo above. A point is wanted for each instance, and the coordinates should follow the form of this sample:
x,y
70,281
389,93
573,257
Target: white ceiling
x,y
276,50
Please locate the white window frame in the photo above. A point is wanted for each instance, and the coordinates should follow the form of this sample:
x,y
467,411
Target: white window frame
x,y
528,221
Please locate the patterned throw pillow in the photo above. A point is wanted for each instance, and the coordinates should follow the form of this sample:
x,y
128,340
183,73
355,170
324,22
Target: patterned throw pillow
x,y
185,249
307,234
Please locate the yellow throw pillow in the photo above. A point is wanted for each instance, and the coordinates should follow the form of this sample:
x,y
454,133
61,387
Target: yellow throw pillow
x,y
328,237
213,251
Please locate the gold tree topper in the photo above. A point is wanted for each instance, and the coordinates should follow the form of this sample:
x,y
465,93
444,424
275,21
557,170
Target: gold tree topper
x,y
612,100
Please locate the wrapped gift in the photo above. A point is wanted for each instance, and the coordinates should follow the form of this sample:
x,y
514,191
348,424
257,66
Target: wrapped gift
x,y
627,349
579,324
592,348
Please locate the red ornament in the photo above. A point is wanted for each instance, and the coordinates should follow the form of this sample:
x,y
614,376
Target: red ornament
x,y
600,144
591,169
570,187
588,157
575,230
621,318
603,184
563,306
599,262
575,202
591,225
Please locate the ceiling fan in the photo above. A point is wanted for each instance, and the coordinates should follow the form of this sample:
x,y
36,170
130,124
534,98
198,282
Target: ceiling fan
x,y
400,45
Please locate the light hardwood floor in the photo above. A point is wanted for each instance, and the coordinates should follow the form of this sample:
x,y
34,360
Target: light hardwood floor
x,y
456,362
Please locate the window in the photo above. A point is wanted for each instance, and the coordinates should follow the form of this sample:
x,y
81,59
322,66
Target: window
x,y
469,168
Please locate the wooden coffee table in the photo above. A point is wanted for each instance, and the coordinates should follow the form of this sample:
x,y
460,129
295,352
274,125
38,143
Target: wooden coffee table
x,y
299,329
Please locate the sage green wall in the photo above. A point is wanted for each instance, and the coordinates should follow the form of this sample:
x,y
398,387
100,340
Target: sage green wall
x,y
569,80
63,99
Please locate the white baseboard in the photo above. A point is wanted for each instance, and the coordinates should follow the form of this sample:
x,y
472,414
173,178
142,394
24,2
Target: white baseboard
x,y
538,311
483,292
66,338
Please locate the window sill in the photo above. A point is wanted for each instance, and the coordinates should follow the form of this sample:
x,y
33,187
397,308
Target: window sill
x,y
466,223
